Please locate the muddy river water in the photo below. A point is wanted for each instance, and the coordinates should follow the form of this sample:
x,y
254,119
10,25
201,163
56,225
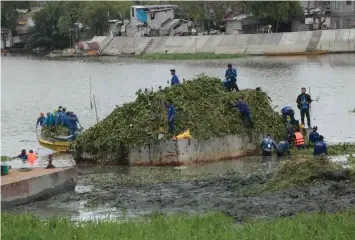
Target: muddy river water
x,y
31,85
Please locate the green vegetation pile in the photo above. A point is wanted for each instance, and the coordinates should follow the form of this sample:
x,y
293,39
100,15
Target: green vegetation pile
x,y
182,227
202,106
52,131
301,173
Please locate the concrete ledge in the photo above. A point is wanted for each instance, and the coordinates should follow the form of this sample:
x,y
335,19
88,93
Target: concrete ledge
x,y
23,187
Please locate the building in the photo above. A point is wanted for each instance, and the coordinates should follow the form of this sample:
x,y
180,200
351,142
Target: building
x,y
342,14
6,38
153,20
245,24
314,11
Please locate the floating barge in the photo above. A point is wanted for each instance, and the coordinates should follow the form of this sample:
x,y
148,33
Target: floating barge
x,y
19,187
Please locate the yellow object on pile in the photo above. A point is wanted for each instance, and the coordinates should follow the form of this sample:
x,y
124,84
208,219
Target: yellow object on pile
x,y
184,135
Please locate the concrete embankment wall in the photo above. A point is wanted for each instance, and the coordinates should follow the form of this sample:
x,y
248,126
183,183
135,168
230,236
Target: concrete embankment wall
x,y
187,151
341,40
23,187
192,151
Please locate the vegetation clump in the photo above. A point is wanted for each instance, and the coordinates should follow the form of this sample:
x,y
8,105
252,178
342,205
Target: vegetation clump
x,y
300,173
202,106
52,131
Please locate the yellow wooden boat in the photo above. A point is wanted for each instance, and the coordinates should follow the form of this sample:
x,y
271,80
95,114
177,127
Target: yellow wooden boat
x,y
58,146
295,53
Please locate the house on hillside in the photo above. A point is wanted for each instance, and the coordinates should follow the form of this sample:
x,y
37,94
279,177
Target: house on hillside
x,y
244,24
343,14
153,20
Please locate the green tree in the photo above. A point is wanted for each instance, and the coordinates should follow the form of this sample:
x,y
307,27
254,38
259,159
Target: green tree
x,y
9,15
278,11
45,33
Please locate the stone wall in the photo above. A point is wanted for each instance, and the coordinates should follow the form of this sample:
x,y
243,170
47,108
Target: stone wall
x,y
341,40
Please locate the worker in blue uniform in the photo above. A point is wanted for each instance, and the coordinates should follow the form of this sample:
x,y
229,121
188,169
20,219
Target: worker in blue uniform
x,y
266,146
243,108
283,148
171,116
230,82
287,111
320,147
314,135
174,79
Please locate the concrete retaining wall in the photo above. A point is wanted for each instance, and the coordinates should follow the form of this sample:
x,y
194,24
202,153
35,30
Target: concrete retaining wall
x,y
185,152
342,40
24,187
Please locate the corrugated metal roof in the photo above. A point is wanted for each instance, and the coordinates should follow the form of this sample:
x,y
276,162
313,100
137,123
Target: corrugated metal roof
x,y
156,6
239,17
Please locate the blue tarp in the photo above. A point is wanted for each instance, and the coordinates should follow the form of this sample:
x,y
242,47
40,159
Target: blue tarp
x,y
142,15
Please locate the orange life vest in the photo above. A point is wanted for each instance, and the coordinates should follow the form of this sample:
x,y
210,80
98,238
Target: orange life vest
x,y
31,157
299,139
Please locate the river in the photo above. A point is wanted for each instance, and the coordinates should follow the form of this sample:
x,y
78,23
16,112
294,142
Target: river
x,y
32,85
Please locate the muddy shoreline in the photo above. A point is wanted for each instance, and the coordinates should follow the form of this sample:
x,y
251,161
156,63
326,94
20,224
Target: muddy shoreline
x,y
222,193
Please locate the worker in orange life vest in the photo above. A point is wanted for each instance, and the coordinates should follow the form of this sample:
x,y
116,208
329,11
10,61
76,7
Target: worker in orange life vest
x,y
299,140
32,157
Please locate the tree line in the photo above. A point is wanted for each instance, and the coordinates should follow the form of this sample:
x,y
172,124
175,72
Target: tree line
x,y
55,24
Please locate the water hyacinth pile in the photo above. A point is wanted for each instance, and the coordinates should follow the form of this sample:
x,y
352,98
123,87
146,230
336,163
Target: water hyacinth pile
x,y
202,106
52,131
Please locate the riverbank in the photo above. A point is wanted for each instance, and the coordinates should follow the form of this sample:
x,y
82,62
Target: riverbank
x,y
188,56
182,227
334,41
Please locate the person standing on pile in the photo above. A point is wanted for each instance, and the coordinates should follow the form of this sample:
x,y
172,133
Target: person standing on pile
x,y
266,146
230,82
174,79
320,147
171,116
304,103
243,108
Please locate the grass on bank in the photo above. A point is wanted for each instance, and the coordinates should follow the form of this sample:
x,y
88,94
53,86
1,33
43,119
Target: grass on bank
x,y
188,56
181,227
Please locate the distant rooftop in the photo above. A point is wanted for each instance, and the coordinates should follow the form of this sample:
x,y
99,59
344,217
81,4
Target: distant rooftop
x,y
156,6
159,10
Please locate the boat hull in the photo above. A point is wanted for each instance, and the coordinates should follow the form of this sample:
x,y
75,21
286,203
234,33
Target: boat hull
x,y
57,146
295,53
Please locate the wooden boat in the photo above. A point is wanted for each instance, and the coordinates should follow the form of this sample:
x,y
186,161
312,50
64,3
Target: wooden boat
x,y
58,146
295,53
